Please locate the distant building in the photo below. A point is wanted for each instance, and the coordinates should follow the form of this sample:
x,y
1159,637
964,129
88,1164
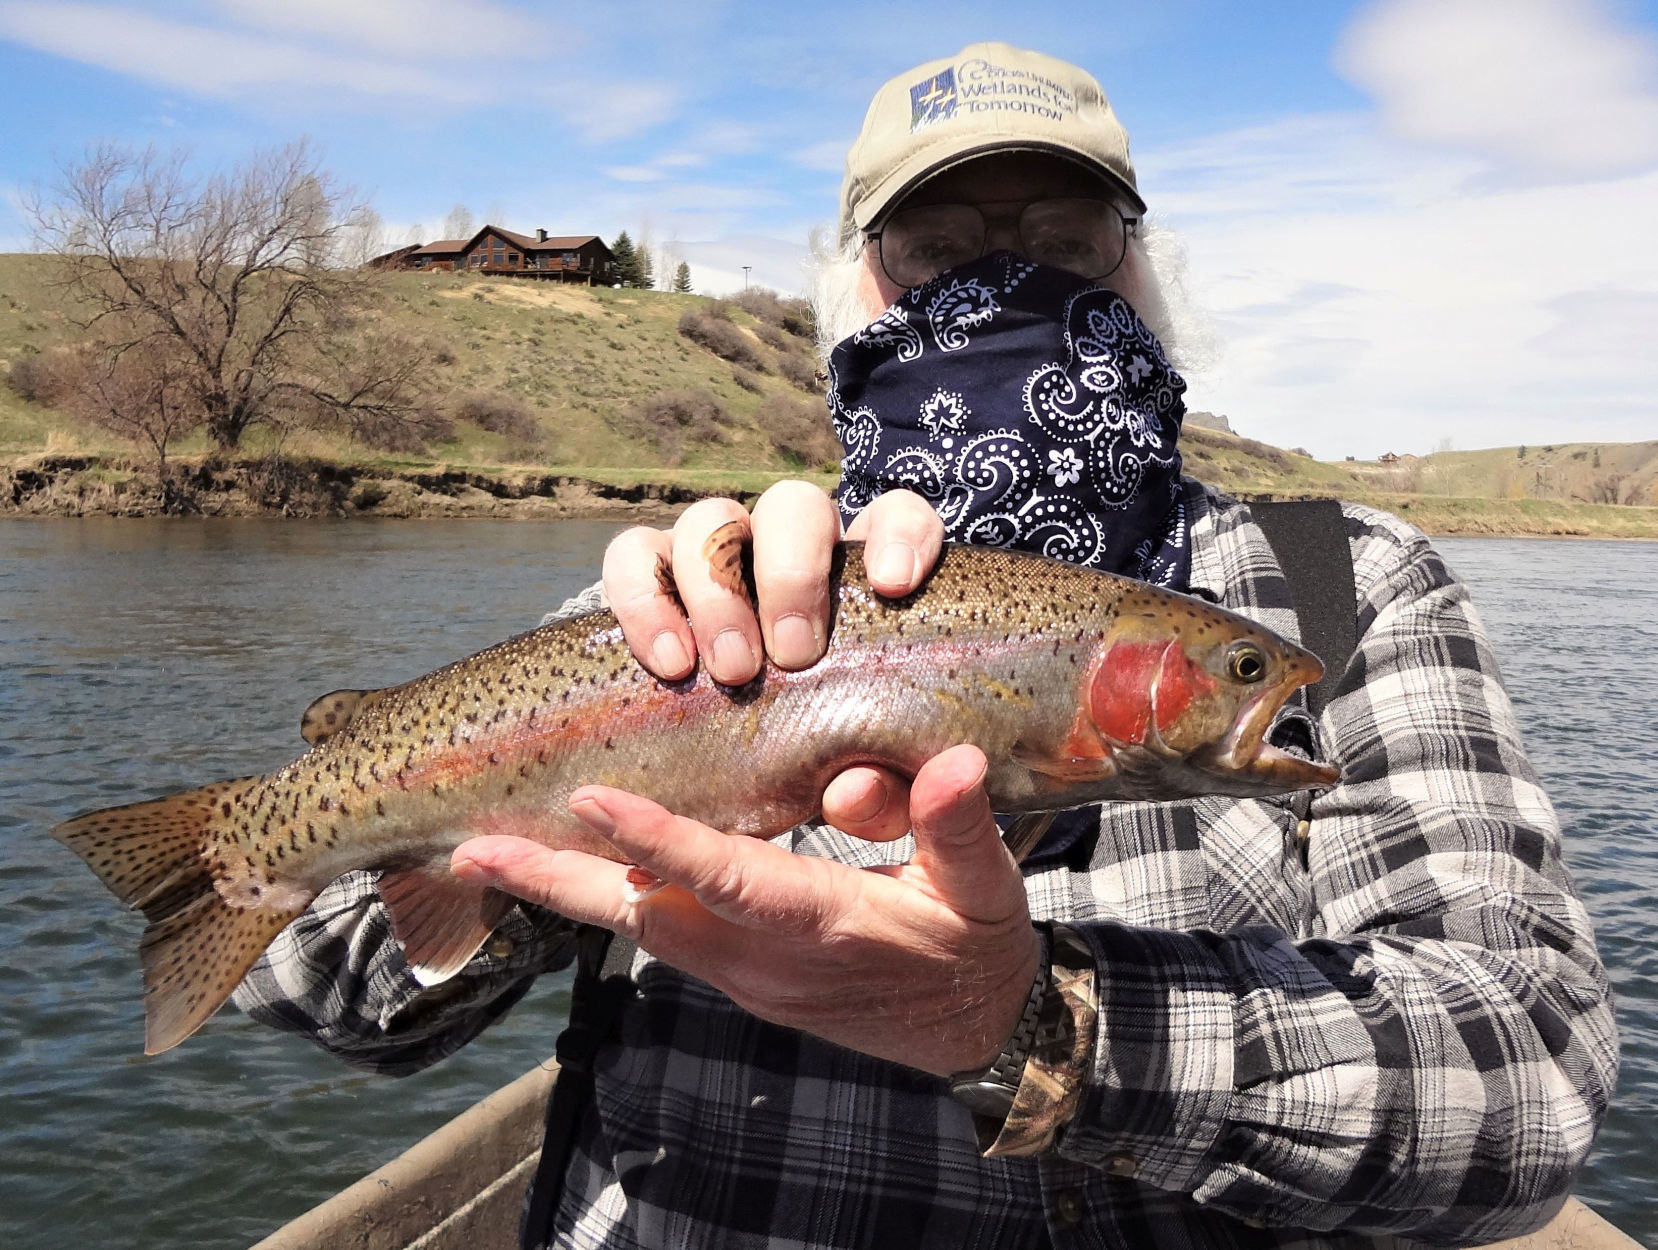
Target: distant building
x,y
1388,457
560,258
392,259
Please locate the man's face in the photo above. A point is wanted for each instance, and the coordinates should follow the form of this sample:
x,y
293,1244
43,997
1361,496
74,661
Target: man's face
x,y
998,185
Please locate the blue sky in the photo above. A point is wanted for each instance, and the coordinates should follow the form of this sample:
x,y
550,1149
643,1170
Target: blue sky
x,y
1405,222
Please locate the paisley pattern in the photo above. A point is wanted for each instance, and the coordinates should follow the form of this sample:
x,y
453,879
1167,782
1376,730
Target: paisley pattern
x,y
957,307
891,330
1030,407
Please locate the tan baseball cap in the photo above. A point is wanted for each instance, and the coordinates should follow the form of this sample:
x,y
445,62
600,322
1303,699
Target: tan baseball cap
x,y
989,97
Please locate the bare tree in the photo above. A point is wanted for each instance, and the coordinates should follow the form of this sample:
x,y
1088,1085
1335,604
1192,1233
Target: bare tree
x,y
234,278
458,225
362,238
144,394
416,235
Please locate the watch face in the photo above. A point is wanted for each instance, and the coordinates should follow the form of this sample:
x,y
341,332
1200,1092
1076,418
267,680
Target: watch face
x,y
986,1098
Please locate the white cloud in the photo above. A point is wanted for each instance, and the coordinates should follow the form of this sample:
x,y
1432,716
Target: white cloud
x,y
1366,295
1546,89
1473,260
602,110
827,157
333,55
633,173
417,28
204,61
717,264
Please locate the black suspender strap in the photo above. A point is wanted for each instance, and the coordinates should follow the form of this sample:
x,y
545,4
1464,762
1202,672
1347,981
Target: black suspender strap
x,y
601,991
1309,537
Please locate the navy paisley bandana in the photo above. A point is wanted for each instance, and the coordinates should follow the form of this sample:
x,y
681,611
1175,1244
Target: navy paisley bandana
x,y
1030,407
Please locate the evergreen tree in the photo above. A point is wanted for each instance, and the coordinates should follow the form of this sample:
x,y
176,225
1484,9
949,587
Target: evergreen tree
x,y
682,279
647,269
624,268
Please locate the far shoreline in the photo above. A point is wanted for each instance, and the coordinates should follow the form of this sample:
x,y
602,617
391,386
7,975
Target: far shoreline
x,y
80,486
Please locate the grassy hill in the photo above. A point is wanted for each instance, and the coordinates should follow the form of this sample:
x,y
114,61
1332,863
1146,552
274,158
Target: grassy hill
x,y
546,385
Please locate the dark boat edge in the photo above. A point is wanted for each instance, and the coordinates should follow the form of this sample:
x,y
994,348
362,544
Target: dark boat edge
x,y
461,1189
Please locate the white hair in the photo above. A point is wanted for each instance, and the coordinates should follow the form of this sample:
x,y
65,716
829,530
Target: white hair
x,y
1152,278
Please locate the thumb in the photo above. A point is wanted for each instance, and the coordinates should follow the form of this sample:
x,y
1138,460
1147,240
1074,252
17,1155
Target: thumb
x,y
956,839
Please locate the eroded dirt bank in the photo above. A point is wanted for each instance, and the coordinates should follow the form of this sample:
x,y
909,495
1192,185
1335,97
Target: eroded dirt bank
x,y
68,486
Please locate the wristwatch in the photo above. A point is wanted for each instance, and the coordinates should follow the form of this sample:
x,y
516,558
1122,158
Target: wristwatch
x,y
989,1091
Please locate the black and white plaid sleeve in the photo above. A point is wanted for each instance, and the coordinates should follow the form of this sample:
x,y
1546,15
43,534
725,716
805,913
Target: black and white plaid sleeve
x,y
337,976
1434,1052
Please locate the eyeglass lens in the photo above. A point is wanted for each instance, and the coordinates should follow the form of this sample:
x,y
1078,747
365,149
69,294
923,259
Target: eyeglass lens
x,y
1086,237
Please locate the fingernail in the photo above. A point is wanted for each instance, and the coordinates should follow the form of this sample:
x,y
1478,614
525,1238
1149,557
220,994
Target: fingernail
x,y
734,658
794,643
668,654
468,869
873,805
896,565
593,816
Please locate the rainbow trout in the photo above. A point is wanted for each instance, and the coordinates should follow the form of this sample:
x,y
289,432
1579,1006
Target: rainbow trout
x,y
1078,686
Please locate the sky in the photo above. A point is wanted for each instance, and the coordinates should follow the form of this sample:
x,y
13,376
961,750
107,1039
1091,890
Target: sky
x,y
1407,224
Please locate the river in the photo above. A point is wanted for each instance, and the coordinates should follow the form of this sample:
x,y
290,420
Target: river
x,y
138,657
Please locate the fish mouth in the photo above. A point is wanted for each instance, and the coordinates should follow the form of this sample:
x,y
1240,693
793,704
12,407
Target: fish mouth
x,y
1247,762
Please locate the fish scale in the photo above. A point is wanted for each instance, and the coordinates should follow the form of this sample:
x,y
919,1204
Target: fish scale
x,y
1078,686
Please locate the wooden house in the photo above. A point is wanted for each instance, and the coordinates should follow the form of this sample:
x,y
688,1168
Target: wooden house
x,y
560,258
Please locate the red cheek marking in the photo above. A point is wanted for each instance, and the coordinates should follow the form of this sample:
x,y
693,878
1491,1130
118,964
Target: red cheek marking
x,y
1179,681
1119,700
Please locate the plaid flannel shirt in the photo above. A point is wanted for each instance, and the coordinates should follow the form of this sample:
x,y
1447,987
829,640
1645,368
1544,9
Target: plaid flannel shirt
x,y
1374,1010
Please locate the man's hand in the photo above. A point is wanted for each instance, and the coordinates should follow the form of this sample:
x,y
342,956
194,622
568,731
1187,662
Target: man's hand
x,y
794,528
927,964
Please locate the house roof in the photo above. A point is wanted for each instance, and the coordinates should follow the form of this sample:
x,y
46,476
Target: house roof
x,y
553,243
397,253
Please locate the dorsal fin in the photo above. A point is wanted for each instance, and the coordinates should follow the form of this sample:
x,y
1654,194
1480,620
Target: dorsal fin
x,y
724,550
333,712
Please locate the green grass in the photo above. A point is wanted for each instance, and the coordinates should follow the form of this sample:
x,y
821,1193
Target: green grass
x,y
576,356
580,357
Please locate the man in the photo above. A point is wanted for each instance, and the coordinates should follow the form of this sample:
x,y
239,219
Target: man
x,y
1376,1009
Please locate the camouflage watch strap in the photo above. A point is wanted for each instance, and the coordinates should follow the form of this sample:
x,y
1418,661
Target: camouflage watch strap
x,y
1059,1059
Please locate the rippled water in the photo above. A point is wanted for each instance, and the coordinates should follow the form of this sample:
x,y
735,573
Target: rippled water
x,y
141,657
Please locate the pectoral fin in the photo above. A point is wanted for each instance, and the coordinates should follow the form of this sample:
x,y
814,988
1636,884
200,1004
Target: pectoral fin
x,y
1025,832
1067,770
440,920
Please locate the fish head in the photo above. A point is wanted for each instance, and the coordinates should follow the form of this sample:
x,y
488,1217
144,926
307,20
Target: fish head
x,y
1187,691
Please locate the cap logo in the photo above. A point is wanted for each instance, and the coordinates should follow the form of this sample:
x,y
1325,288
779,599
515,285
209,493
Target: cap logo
x,y
933,99
990,88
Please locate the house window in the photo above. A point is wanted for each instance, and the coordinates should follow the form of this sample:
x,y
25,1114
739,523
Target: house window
x,y
572,258
512,259
477,260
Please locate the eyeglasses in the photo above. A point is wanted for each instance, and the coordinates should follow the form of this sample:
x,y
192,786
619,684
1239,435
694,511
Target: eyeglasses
x,y
1087,237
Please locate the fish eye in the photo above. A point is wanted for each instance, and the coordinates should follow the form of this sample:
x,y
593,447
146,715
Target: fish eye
x,y
1246,662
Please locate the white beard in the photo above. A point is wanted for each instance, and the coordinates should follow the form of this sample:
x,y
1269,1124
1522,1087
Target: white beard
x,y
1151,279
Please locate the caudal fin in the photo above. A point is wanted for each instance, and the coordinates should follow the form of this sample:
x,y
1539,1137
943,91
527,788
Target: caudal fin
x,y
197,948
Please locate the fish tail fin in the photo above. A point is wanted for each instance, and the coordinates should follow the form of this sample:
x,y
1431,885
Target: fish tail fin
x,y
197,947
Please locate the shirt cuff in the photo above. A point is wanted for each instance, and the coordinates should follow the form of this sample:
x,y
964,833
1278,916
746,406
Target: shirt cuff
x,y
1058,1065
1159,1087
